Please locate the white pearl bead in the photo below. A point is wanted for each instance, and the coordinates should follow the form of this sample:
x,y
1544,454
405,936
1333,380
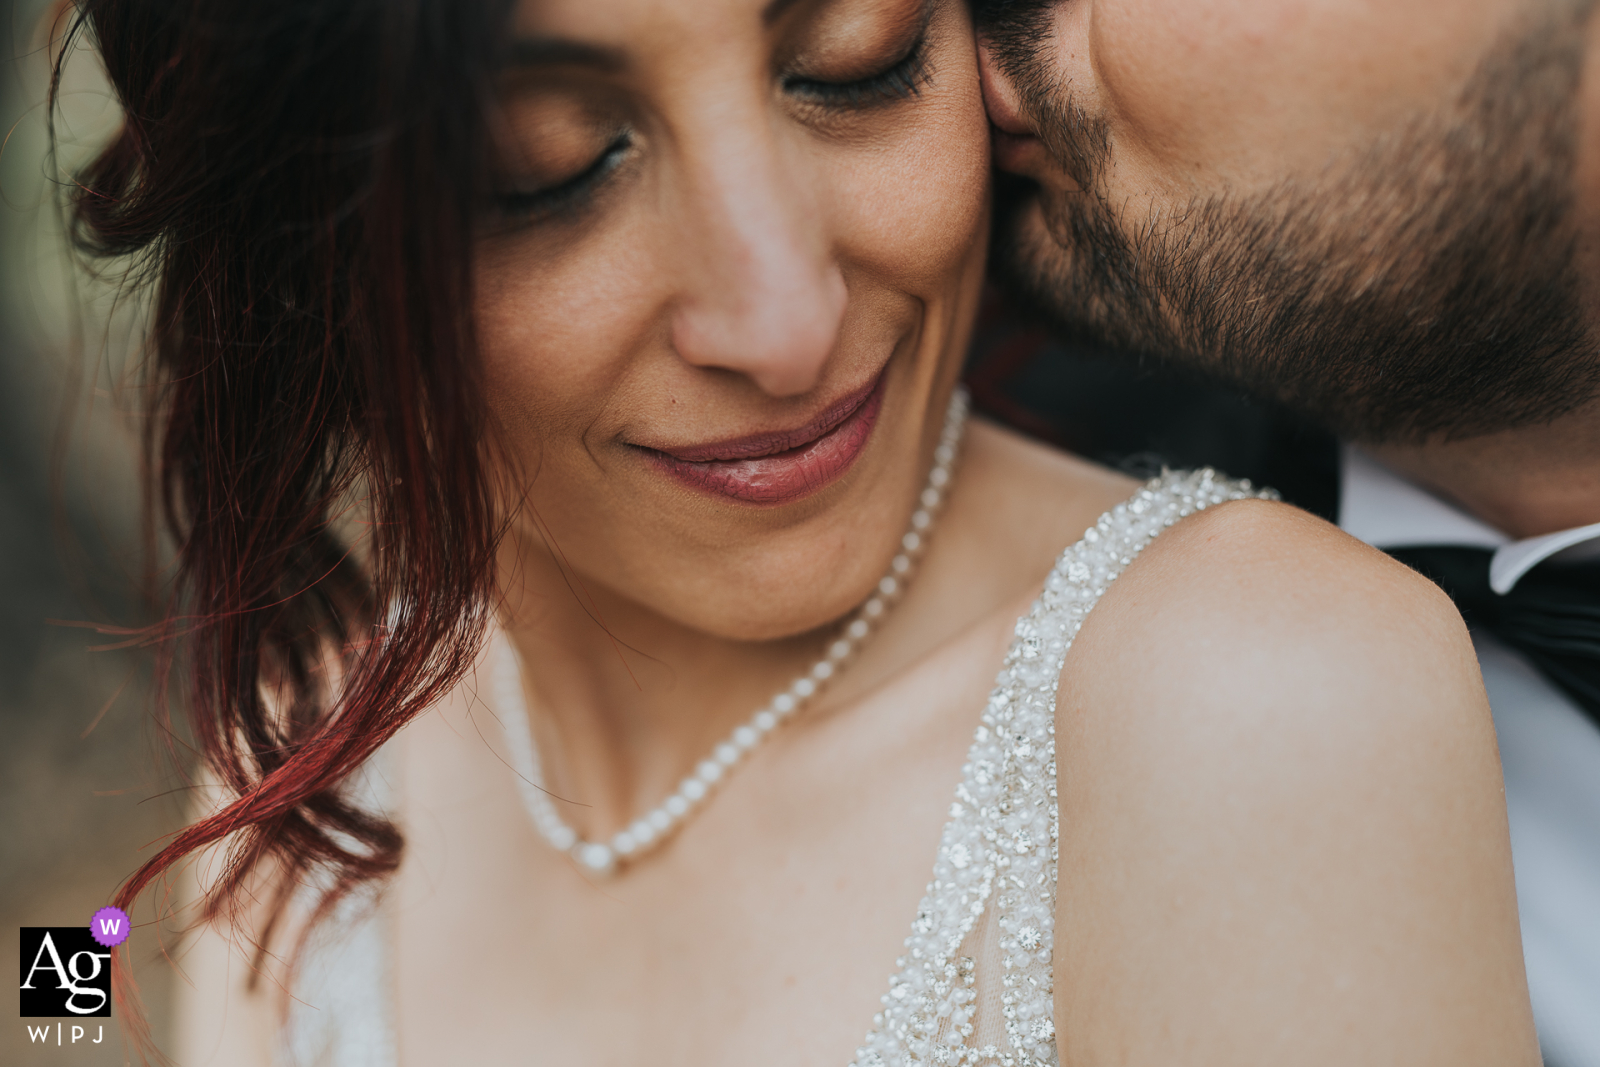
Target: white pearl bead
x,y
858,629
931,497
677,806
563,837
888,586
728,754
643,833
764,721
747,737
938,477
660,821
872,608
822,671
911,542
623,844
708,771
944,455
840,649
691,789
900,564
921,520
597,858
783,703
803,688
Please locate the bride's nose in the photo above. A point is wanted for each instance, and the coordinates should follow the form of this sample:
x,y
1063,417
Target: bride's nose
x,y
761,293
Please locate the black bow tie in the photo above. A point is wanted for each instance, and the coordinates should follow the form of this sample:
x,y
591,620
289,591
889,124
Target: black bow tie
x,y
1551,616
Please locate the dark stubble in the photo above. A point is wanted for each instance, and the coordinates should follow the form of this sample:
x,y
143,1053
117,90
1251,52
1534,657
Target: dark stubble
x,y
1427,289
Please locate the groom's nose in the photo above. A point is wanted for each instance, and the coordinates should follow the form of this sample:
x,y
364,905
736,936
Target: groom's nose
x,y
1000,95
1017,147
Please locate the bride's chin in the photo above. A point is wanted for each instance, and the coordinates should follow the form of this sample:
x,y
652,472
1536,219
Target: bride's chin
x,y
820,603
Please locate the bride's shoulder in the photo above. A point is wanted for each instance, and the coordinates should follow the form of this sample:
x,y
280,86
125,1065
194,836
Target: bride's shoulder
x,y
1278,590
1274,748
1267,608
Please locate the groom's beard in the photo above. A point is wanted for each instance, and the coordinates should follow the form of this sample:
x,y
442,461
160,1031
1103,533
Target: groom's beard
x,y
1426,289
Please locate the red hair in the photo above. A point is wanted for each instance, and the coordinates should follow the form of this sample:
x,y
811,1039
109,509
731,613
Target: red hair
x,y
297,183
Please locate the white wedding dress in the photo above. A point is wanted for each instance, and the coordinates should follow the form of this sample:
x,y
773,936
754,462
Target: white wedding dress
x,y
974,985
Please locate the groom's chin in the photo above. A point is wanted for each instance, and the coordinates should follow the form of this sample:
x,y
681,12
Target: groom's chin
x,y
1064,260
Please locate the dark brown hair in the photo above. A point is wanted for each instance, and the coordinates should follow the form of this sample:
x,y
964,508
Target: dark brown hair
x,y
296,182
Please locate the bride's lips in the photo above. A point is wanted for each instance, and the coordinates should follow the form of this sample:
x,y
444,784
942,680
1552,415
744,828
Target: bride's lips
x,y
781,466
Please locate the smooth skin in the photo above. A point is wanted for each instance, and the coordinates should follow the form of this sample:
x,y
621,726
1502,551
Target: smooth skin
x,y
1283,834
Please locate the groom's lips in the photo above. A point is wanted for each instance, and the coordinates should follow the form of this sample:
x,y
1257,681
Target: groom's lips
x,y
781,466
1017,153
1027,155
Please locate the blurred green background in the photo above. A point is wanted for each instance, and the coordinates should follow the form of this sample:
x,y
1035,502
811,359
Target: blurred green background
x,y
86,782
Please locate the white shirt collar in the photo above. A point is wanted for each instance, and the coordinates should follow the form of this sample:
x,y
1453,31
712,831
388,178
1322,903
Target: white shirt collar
x,y
1386,511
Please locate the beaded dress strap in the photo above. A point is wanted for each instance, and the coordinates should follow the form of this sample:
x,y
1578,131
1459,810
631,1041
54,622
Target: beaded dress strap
x,y
1000,847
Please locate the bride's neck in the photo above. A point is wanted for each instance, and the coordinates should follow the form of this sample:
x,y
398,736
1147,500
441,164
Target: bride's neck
x,y
623,702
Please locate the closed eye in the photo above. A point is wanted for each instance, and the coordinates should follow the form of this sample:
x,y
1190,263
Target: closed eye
x,y
568,195
905,78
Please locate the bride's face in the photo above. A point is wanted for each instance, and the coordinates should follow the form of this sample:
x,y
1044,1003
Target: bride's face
x,y
735,256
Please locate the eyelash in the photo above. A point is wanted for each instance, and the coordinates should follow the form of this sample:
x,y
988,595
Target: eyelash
x,y
902,80
571,193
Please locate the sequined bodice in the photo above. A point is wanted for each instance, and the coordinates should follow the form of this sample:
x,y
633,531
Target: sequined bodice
x,y
974,985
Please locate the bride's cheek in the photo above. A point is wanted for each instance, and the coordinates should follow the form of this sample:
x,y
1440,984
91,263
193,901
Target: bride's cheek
x,y
919,208
556,322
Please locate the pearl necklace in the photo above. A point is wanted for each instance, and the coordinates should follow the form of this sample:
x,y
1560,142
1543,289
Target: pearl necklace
x,y
652,828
